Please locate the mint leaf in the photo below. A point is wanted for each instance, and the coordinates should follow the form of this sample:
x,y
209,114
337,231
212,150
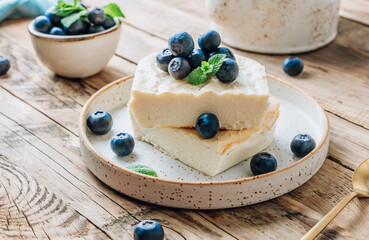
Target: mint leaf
x,y
76,2
216,62
197,76
142,169
69,20
113,10
64,8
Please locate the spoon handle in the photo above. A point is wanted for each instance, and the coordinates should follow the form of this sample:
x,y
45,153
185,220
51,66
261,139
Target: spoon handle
x,y
328,218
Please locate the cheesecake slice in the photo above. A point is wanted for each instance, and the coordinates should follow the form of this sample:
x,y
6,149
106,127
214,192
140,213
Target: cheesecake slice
x,y
211,156
158,100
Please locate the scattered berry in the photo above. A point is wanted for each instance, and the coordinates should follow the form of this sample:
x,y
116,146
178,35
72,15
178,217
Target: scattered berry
x,y
209,41
122,144
195,58
228,72
163,59
181,44
263,163
302,145
42,24
100,122
57,31
95,29
207,125
96,15
225,51
179,68
293,66
148,230
4,66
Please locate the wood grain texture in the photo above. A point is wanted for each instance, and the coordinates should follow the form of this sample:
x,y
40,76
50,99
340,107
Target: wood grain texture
x,y
356,10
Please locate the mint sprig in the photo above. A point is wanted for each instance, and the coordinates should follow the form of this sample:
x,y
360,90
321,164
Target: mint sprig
x,y
64,8
69,20
142,169
113,10
212,66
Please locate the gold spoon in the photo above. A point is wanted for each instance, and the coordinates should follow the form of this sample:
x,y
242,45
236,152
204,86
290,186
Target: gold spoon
x,y
360,183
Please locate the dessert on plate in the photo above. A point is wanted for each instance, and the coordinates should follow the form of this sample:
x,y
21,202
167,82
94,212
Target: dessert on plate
x,y
205,107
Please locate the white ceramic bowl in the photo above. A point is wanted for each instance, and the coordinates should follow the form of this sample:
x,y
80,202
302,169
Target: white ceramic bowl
x,y
275,26
76,56
178,185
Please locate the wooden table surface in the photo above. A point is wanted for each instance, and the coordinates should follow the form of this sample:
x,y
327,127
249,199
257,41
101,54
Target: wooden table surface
x,y
47,191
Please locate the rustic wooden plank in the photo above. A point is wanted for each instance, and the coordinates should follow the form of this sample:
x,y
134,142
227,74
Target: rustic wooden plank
x,y
357,10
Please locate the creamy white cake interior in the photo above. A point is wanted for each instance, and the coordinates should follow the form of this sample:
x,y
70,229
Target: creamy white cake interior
x,y
158,100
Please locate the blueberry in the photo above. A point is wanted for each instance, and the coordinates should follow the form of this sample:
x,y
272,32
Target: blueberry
x,y
302,145
108,23
263,163
96,15
228,72
179,68
57,31
95,29
181,44
207,125
4,66
148,230
78,27
42,24
100,122
195,58
209,41
122,144
293,66
163,59
54,19
225,51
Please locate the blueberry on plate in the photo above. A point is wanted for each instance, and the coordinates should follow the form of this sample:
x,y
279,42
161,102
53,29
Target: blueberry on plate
x,y
4,66
302,145
96,15
42,24
263,163
163,59
179,68
100,122
95,29
181,44
122,144
54,19
78,27
195,58
57,31
225,51
209,41
228,72
148,230
108,23
293,66
207,125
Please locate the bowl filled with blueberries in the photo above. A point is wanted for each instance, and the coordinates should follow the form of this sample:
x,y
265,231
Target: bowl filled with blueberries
x,y
75,41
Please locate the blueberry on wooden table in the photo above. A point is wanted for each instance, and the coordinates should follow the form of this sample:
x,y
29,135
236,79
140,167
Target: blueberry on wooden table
x,y
163,59
42,24
100,122
263,163
179,68
195,58
181,44
209,41
4,66
228,72
148,230
96,15
122,144
207,125
302,145
57,31
293,66
223,50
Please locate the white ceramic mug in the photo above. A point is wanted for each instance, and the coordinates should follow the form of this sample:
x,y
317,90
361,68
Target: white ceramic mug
x,y
275,26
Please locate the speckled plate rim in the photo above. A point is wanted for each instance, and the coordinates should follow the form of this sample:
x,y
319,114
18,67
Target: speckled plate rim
x,y
82,132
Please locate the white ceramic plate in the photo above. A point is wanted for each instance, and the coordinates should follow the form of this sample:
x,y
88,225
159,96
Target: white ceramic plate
x,y
178,185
